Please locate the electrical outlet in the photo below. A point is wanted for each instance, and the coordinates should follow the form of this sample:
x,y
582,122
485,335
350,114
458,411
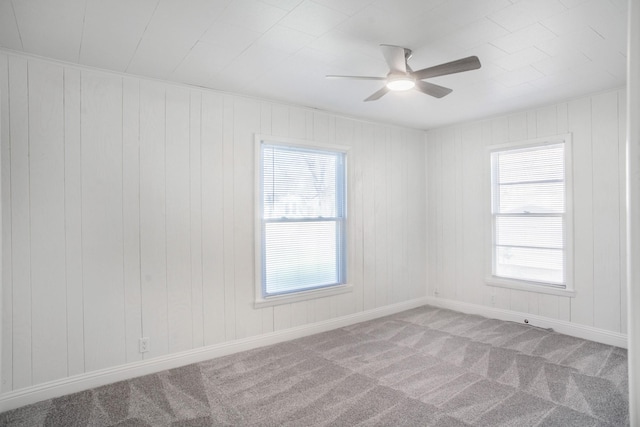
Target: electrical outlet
x,y
436,292
144,344
493,300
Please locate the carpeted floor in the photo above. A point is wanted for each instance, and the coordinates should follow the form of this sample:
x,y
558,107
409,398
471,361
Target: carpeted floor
x,y
423,367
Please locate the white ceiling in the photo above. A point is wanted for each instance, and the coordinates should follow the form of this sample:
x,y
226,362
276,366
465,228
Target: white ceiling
x,y
533,52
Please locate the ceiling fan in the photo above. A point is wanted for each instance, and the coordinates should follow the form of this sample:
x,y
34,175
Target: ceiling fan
x,y
402,77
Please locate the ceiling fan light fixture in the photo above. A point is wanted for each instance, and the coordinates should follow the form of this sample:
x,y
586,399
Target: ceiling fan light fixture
x,y
402,78
401,83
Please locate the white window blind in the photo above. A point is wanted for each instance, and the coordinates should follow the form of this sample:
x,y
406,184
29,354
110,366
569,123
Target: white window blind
x,y
529,214
303,219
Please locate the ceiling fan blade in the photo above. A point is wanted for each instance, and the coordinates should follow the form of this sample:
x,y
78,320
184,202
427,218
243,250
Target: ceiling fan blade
x,y
431,89
464,64
332,76
395,57
377,95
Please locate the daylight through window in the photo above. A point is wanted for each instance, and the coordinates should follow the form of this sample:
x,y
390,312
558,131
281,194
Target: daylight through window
x,y
529,214
303,218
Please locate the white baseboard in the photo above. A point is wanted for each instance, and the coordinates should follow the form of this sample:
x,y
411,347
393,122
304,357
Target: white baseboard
x,y
74,384
563,327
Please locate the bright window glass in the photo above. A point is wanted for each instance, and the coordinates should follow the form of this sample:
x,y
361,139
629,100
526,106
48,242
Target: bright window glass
x,y
529,215
303,219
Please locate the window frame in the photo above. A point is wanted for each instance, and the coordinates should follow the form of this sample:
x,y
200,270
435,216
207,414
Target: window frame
x,y
262,300
566,289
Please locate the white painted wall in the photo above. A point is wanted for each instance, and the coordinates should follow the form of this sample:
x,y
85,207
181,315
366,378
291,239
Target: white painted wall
x,y
458,208
128,212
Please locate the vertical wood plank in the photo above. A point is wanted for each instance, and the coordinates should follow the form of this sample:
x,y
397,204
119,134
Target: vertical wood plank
x,y
324,309
564,308
246,123
279,120
389,223
579,122
309,119
449,193
439,237
563,118
195,220
517,127
498,133
73,222
547,121
297,123
265,129
416,216
368,217
423,238
473,225
153,258
321,126
563,303
131,215
355,302
178,244
265,118
213,289
6,371
228,231
396,218
460,237
20,221
102,226
548,306
380,212
622,182
432,217
301,313
518,301
532,124
282,317
345,303
267,320
489,297
606,212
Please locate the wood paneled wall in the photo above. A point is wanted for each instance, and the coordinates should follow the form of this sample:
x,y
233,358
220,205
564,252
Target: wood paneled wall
x,y
128,212
458,207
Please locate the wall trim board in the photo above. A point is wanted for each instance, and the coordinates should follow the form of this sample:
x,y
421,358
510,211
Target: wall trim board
x,y
576,330
77,383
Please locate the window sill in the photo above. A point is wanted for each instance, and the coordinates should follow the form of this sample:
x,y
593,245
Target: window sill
x,y
302,296
528,286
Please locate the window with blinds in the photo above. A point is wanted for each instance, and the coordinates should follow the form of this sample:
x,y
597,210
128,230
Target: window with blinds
x,y
530,214
303,219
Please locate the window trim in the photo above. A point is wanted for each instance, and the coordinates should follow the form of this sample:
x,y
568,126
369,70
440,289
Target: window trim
x,y
303,295
526,285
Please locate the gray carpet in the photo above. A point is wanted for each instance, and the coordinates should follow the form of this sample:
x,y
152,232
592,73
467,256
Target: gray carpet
x,y
423,367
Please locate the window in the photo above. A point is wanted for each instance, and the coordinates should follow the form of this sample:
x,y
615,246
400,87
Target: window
x,y
531,217
302,207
